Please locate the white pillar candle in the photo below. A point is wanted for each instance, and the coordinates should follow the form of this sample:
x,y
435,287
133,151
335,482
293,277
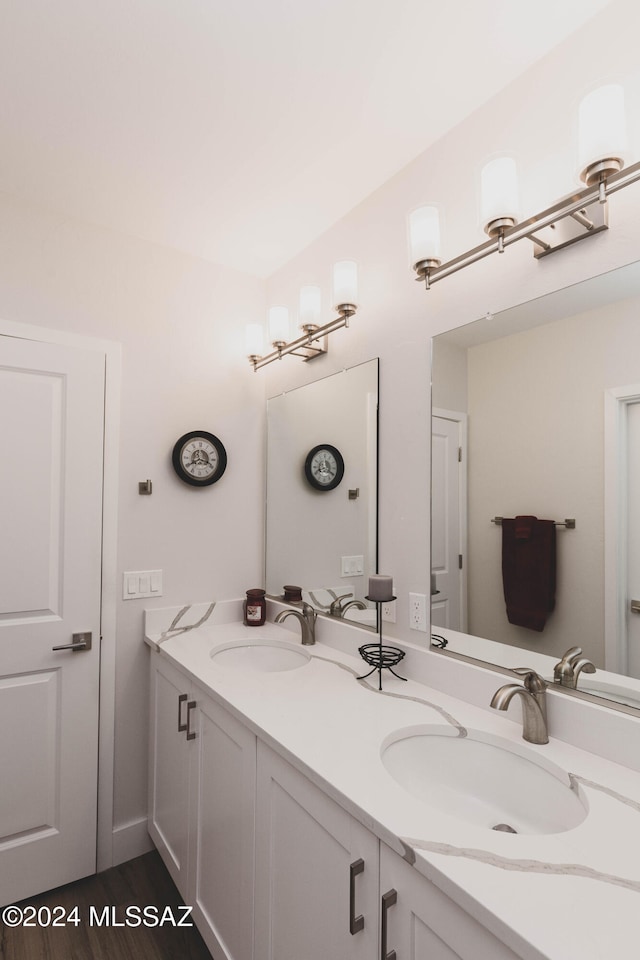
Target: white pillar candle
x,y
380,588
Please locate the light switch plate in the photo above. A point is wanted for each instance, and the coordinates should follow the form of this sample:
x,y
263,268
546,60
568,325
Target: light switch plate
x,y
351,566
141,583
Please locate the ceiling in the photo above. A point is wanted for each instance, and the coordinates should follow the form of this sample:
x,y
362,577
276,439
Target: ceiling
x,y
240,130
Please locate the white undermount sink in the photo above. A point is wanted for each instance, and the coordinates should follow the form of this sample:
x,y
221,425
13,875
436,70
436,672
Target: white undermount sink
x,y
260,655
483,780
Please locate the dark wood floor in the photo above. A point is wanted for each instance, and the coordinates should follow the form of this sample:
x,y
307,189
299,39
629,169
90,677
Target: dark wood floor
x,y
141,882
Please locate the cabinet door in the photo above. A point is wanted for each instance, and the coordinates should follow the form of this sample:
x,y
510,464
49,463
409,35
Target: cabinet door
x,y
424,924
169,768
311,889
222,830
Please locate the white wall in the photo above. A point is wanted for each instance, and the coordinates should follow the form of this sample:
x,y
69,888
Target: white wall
x,y
535,118
181,325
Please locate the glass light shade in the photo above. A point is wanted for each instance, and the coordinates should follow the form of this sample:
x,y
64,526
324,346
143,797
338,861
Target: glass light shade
x,y
424,234
345,282
254,339
602,127
278,324
499,191
310,301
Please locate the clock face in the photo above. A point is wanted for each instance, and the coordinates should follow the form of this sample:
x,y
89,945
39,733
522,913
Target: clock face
x,y
324,467
199,458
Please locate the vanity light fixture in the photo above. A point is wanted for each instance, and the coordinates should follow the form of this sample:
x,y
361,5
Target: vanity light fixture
x,y
602,146
313,342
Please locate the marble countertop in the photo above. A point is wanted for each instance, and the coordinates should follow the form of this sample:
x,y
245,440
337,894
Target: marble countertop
x,y
564,896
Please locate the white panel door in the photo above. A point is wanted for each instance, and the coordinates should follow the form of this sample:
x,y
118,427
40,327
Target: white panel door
x,y
51,436
448,603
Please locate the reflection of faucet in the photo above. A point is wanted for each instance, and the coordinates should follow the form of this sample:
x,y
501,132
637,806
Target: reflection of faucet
x,y
307,620
358,604
567,671
534,707
337,610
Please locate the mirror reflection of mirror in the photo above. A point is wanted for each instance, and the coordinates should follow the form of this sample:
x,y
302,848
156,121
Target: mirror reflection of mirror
x,y
322,534
543,403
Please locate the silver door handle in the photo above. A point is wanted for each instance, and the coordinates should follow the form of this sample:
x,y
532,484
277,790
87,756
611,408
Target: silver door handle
x,y
81,641
634,606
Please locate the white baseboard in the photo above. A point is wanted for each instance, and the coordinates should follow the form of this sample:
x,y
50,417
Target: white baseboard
x,y
131,840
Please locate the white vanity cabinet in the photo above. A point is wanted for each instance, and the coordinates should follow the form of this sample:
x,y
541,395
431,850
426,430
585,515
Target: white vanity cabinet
x,y
316,872
202,807
419,922
169,762
273,867
318,869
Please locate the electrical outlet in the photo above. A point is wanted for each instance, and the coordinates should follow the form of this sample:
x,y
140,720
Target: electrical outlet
x,y
418,611
389,611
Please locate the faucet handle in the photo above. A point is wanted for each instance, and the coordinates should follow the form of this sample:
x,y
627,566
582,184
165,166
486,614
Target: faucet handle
x,y
336,605
563,671
533,682
571,655
308,611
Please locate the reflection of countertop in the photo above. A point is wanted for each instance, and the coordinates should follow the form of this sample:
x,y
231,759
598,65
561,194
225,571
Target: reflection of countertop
x,y
567,896
611,686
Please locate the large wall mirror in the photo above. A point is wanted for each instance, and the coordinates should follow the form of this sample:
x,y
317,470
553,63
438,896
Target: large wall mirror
x,y
544,403
322,491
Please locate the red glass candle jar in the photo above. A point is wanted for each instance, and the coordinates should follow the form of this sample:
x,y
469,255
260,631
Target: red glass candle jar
x,y
255,608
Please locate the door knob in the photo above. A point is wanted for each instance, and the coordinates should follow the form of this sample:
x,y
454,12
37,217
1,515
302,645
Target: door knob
x,y
81,641
634,606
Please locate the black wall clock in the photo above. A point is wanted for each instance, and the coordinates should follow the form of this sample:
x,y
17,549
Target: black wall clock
x,y
199,458
324,467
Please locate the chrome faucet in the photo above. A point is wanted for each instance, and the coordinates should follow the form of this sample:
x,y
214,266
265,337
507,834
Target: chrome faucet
x,y
567,670
534,706
337,610
307,617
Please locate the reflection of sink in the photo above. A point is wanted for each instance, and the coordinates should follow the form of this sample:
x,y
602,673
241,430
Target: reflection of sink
x,y
602,688
260,655
483,779
610,691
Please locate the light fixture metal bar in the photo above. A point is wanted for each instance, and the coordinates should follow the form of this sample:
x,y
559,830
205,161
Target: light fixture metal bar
x,y
563,208
304,346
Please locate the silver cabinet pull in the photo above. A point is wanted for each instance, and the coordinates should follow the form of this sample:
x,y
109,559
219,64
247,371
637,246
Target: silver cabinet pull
x,y
634,606
81,641
191,735
181,699
389,899
356,924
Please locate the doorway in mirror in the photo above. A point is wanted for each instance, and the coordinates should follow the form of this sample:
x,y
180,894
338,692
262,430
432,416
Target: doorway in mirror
x,y
449,519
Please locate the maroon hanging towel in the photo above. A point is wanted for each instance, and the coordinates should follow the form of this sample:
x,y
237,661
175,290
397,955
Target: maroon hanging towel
x,y
529,570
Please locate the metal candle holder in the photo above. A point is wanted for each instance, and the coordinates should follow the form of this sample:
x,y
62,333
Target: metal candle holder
x,y
379,656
